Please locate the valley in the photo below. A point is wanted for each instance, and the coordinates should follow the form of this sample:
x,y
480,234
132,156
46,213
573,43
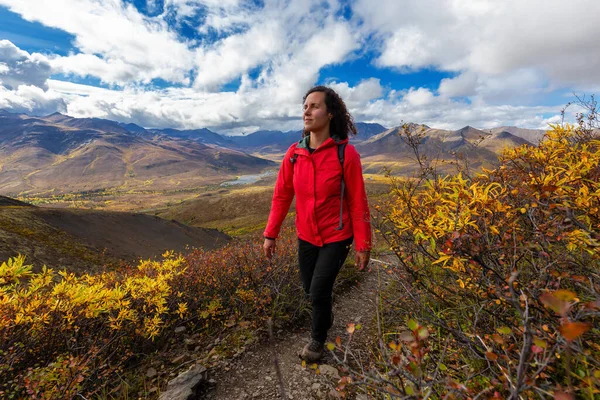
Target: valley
x,y
94,175
94,163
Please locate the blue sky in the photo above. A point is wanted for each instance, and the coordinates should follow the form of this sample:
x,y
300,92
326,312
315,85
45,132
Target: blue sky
x,y
239,66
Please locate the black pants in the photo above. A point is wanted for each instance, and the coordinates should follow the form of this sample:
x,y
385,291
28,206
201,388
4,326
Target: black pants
x,y
319,266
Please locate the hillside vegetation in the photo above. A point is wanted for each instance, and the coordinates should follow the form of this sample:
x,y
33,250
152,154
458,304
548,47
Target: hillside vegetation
x,y
495,293
63,335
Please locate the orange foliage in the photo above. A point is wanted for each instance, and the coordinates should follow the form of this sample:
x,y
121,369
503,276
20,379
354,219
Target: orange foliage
x,y
505,267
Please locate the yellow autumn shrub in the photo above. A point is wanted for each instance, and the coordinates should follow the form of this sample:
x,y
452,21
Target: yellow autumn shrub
x,y
63,334
504,269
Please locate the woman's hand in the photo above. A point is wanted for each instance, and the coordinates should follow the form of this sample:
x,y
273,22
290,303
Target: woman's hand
x,y
269,247
362,259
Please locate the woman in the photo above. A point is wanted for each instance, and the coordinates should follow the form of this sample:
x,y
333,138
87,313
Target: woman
x,y
325,174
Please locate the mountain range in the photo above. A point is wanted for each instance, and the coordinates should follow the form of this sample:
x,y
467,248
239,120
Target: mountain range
x,y
391,151
61,154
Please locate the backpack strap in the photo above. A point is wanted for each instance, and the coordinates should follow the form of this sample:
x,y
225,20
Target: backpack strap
x,y
341,153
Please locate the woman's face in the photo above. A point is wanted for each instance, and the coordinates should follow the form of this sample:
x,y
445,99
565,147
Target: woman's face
x,y
315,116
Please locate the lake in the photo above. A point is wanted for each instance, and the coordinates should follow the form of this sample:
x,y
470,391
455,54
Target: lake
x,y
246,179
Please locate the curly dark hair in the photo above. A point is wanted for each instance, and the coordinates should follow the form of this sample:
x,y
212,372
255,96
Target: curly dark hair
x,y
342,122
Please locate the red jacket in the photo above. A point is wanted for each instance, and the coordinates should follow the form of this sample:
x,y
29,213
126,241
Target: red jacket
x,y
315,179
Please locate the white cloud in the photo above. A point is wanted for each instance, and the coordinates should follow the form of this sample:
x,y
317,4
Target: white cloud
x,y
90,65
291,75
31,100
218,11
286,43
411,48
178,108
221,16
444,113
121,46
237,112
115,32
366,90
419,97
554,39
236,54
521,86
18,67
503,61
72,90
152,6
461,86
24,82
559,41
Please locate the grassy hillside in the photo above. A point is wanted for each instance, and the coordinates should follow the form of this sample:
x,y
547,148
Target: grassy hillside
x,y
82,240
234,211
23,232
96,335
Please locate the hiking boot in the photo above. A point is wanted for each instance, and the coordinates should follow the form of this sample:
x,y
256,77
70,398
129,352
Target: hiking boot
x,y
313,351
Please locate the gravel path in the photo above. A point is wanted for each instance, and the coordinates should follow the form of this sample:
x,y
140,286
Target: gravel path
x,y
253,375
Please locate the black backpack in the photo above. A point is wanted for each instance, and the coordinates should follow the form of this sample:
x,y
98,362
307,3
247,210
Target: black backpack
x,y
341,152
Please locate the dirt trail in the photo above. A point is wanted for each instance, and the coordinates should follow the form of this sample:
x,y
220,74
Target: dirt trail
x,y
253,374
